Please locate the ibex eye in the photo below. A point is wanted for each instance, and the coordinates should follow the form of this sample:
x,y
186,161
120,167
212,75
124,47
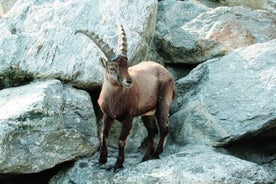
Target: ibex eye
x,y
113,69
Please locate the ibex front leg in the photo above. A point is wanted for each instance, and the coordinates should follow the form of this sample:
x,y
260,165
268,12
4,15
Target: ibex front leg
x,y
107,124
126,127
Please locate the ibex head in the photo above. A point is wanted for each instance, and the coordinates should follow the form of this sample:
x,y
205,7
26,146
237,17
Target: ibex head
x,y
116,66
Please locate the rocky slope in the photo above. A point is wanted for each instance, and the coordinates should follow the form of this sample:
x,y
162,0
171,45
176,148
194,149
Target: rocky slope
x,y
222,127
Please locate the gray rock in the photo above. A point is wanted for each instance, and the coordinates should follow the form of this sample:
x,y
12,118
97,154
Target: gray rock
x,y
88,170
260,149
194,164
38,38
215,33
78,113
228,98
171,15
34,132
268,5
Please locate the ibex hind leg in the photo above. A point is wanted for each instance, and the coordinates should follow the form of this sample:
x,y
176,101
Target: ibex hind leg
x,y
163,127
162,116
150,124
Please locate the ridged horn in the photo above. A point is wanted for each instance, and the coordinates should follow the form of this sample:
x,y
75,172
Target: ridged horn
x,y
108,52
122,41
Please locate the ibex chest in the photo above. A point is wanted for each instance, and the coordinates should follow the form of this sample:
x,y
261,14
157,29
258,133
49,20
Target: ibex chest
x,y
116,106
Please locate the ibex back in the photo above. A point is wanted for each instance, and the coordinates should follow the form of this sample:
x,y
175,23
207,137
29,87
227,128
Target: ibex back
x,y
145,89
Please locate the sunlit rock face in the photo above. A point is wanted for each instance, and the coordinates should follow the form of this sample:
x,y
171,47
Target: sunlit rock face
x,y
38,38
193,164
36,129
192,38
268,5
228,98
221,128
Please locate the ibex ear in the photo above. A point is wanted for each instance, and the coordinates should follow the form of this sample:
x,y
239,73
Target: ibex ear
x,y
103,62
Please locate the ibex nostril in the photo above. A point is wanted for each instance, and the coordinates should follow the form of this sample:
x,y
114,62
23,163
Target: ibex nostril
x,y
129,80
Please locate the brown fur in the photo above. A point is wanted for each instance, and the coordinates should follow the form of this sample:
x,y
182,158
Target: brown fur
x,y
152,89
146,90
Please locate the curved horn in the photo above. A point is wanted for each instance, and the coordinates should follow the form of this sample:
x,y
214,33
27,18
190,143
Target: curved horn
x,y
122,41
108,52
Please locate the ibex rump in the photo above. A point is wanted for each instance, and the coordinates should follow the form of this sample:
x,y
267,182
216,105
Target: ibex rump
x,y
145,89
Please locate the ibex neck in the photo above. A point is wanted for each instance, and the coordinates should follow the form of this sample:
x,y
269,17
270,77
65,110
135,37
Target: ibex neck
x,y
111,85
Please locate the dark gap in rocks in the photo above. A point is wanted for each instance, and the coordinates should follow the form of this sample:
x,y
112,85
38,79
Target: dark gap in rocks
x,y
210,3
179,70
13,77
42,177
94,94
260,149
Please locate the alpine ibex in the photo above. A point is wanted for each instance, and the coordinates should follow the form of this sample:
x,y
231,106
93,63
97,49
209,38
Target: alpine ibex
x,y
145,89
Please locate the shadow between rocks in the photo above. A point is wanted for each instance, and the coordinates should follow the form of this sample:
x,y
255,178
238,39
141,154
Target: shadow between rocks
x,y
260,149
34,178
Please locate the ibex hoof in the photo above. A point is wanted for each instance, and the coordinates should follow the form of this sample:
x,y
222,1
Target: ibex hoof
x,y
102,160
156,157
117,168
146,158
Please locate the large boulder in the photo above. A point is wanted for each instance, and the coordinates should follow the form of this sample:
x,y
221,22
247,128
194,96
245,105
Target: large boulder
x,y
194,164
38,41
268,5
171,15
228,98
35,133
214,33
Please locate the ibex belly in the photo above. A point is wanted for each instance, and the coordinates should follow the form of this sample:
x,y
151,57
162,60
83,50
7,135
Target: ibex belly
x,y
149,113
